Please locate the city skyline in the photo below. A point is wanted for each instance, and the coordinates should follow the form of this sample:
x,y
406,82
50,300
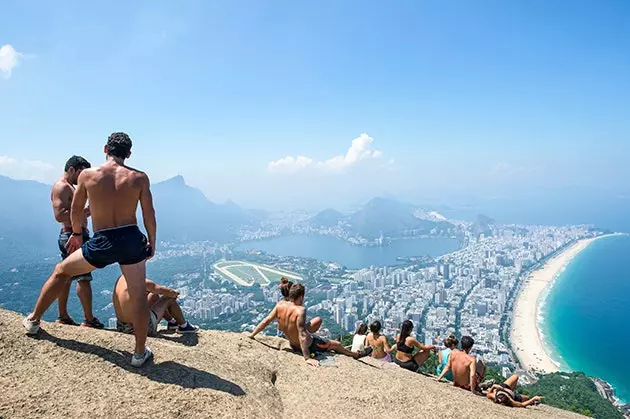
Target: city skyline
x,y
272,104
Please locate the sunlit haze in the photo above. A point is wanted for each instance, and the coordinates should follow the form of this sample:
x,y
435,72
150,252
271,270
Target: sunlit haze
x,y
318,104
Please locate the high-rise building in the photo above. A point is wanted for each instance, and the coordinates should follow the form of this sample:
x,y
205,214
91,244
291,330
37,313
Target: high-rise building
x,y
349,320
447,271
481,308
338,314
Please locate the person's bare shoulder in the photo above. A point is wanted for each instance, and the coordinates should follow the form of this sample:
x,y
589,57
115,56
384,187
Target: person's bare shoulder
x,y
89,175
299,311
60,187
140,179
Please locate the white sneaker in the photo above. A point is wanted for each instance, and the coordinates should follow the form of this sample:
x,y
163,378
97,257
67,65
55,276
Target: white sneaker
x,y
139,360
31,326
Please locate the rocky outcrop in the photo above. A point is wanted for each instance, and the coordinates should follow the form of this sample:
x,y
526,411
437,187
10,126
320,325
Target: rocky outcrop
x,y
83,373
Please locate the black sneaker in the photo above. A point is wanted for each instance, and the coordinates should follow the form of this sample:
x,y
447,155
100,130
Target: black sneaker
x,y
171,326
188,329
95,324
67,321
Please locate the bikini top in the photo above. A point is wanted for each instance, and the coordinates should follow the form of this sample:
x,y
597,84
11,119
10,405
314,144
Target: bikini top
x,y
402,347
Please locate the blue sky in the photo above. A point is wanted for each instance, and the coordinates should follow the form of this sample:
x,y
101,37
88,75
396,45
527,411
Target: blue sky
x,y
261,101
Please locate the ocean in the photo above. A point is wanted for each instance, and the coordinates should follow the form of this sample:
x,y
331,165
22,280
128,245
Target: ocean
x,y
586,315
332,249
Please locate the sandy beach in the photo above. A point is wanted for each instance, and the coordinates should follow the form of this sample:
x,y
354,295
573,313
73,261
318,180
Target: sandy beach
x,y
525,336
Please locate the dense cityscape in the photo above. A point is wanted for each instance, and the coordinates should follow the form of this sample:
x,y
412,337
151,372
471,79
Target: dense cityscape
x,y
467,292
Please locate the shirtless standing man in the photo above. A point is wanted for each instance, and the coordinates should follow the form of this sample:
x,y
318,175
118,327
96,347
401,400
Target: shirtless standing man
x,y
291,318
61,197
114,191
468,371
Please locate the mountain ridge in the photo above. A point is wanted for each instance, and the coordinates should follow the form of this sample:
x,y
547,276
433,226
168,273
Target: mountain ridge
x,y
383,216
183,213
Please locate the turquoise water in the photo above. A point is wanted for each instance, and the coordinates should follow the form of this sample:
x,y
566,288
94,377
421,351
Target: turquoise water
x,y
587,313
331,249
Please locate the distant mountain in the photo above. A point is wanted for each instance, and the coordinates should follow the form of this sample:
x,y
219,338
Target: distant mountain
x,y
430,215
27,226
327,218
390,218
384,216
183,213
484,220
483,225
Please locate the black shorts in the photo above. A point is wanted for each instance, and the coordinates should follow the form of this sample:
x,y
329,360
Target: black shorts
x,y
410,365
317,346
123,245
64,236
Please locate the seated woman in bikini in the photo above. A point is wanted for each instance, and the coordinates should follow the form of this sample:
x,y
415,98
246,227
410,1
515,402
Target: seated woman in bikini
x,y
378,343
506,394
405,345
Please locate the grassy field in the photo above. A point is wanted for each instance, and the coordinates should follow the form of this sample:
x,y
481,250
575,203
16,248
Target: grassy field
x,y
247,274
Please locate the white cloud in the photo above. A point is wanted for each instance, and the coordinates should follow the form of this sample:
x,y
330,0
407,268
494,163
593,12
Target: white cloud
x,y
9,59
290,164
361,149
27,169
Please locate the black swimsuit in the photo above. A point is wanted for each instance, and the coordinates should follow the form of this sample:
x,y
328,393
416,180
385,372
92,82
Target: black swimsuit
x,y
410,365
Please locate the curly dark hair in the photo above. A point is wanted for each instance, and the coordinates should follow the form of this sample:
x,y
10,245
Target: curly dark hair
x,y
467,342
119,145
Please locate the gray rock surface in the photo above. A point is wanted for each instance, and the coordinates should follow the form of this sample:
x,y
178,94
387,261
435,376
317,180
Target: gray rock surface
x,y
76,372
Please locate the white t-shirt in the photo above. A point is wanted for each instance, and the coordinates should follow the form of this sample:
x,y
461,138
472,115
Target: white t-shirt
x,y
358,343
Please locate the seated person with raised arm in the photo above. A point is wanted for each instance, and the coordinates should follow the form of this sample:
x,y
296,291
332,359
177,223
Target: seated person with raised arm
x,y
405,345
291,317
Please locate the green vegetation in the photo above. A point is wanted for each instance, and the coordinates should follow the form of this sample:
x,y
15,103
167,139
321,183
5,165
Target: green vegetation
x,y
493,373
430,365
574,392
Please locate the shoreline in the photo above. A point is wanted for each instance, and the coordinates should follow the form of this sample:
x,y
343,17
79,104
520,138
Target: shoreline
x,y
525,335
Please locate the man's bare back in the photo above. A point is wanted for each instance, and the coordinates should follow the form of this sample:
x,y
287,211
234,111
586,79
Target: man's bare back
x,y
114,191
461,363
288,315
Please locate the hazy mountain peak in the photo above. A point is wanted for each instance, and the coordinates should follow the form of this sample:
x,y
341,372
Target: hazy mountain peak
x,y
175,181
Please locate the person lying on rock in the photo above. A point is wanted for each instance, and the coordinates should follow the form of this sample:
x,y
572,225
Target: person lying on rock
x,y
506,394
163,305
291,317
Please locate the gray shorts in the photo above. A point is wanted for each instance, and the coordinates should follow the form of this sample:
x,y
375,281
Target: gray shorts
x,y
128,327
64,236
